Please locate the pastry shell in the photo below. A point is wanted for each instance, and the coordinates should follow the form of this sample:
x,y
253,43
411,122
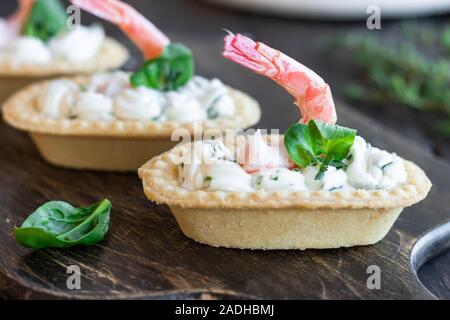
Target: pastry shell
x,y
280,219
15,76
116,145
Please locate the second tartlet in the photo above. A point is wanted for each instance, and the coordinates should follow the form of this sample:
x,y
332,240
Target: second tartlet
x,y
117,121
36,44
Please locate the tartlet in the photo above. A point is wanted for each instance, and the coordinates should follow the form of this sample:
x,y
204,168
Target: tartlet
x,y
36,44
279,219
117,123
13,77
118,145
317,186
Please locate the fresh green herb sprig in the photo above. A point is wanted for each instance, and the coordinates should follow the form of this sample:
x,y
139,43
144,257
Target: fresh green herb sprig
x,y
401,73
46,19
318,143
59,224
173,69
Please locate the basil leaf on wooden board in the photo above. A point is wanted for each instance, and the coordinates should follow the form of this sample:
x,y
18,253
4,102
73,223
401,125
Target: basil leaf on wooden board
x,y
173,69
318,143
46,19
59,224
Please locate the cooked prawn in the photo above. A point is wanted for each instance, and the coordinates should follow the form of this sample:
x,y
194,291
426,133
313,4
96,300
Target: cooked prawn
x,y
17,19
258,155
150,40
313,95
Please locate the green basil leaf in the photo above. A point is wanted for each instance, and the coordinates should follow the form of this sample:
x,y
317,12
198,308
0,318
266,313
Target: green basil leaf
x,y
173,69
37,238
318,143
332,140
300,144
59,224
46,19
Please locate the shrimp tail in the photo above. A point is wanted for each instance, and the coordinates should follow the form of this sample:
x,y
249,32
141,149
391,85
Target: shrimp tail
x,y
18,18
312,94
258,155
147,37
244,51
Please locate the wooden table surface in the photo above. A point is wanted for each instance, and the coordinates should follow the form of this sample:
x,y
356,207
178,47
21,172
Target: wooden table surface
x,y
127,266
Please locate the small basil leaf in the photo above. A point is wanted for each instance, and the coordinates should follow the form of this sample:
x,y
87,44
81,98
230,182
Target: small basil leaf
x,y
173,69
37,238
93,228
46,19
300,144
325,163
318,143
338,164
59,224
332,140
56,217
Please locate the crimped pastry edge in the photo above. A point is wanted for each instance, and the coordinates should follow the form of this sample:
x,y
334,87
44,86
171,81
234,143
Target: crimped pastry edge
x,y
160,182
19,112
111,55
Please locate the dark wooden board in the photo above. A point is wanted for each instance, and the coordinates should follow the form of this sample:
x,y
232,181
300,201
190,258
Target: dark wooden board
x,y
146,256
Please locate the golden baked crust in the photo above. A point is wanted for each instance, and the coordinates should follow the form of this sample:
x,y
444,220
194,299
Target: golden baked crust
x,y
111,55
285,228
20,112
99,153
160,182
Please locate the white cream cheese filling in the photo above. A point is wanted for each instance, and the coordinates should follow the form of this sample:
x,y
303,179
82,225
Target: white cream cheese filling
x,y
57,100
74,46
79,44
372,168
211,166
92,106
137,104
192,102
28,50
8,32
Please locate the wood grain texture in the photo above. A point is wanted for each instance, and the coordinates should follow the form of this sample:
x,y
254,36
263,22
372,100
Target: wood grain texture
x,y
146,256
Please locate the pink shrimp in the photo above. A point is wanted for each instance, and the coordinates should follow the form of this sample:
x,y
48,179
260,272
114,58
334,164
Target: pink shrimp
x,y
150,40
10,27
313,95
258,155
17,19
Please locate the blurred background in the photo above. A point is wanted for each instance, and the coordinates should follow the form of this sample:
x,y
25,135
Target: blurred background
x,y
395,70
